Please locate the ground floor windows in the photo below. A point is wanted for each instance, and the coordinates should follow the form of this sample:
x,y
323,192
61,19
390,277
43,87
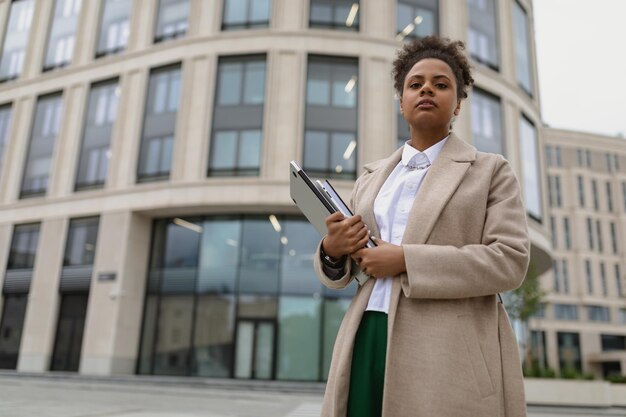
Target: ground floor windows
x,y
11,325
236,297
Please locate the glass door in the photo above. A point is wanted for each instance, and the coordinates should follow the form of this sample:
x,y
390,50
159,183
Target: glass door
x,y
69,337
254,355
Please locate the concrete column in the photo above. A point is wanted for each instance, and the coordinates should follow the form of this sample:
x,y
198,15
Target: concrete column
x,y
67,146
454,20
283,122
115,310
40,322
38,39
6,232
192,141
87,32
12,172
289,15
377,18
142,22
127,133
204,17
506,42
376,111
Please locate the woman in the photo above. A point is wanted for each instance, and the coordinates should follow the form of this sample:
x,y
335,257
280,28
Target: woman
x,y
421,337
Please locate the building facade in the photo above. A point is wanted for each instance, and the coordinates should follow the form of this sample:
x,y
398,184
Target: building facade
x,y
583,325
145,219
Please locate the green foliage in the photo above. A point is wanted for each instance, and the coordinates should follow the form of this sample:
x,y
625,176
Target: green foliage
x,y
537,371
616,379
525,301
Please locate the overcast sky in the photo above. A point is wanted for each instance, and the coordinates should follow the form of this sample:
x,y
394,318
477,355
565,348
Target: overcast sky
x,y
581,55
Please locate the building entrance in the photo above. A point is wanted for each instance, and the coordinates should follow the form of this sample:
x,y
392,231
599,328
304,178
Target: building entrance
x,y
255,349
69,337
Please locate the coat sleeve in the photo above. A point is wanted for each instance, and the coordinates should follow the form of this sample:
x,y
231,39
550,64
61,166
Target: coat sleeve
x,y
496,265
342,280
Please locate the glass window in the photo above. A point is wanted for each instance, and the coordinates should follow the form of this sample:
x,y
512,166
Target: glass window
x,y
173,341
16,39
114,27
600,239
219,255
605,287
214,336
95,154
260,251
299,338
565,312
558,161
246,14
598,313
618,281
522,48
538,350
590,233
298,244
5,123
416,19
530,165
553,232
580,156
487,122
588,159
80,248
404,131
569,351
172,19
330,137
622,315
61,39
334,310
567,234
23,246
157,143
556,283
565,271
589,274
609,196
624,193
11,325
483,32
334,14
594,190
45,129
581,191
613,342
236,143
557,189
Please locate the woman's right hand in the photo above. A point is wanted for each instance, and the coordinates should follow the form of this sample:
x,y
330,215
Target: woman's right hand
x,y
345,235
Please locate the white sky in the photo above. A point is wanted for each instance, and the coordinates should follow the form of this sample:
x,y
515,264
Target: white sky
x,y
581,56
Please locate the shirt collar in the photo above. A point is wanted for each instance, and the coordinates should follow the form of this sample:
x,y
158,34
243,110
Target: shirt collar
x,y
413,157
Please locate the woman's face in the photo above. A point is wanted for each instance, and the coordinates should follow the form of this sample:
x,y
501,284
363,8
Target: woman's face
x,y
429,99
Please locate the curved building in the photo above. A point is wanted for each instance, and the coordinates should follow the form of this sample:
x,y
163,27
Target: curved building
x,y
145,218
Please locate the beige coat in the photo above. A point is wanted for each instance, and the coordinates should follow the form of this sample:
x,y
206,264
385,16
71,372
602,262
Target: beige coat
x,y
466,240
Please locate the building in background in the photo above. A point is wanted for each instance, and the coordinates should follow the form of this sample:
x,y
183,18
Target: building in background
x,y
145,219
583,325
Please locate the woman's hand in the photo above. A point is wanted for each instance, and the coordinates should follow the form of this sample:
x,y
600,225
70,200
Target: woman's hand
x,y
345,235
384,260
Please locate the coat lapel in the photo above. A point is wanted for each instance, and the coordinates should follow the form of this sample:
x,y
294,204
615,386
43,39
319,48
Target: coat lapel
x,y
442,179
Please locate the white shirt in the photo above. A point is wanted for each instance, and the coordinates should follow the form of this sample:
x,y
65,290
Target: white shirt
x,y
393,204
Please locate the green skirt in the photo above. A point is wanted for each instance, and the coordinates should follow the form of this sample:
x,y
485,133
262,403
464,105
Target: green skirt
x,y
367,377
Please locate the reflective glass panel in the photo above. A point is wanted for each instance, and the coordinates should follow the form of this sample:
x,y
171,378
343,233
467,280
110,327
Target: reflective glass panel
x,y
16,39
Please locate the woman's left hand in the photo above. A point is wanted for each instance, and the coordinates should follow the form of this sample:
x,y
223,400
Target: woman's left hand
x,y
384,260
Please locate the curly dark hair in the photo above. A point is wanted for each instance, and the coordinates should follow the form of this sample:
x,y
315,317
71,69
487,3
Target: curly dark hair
x,y
450,52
